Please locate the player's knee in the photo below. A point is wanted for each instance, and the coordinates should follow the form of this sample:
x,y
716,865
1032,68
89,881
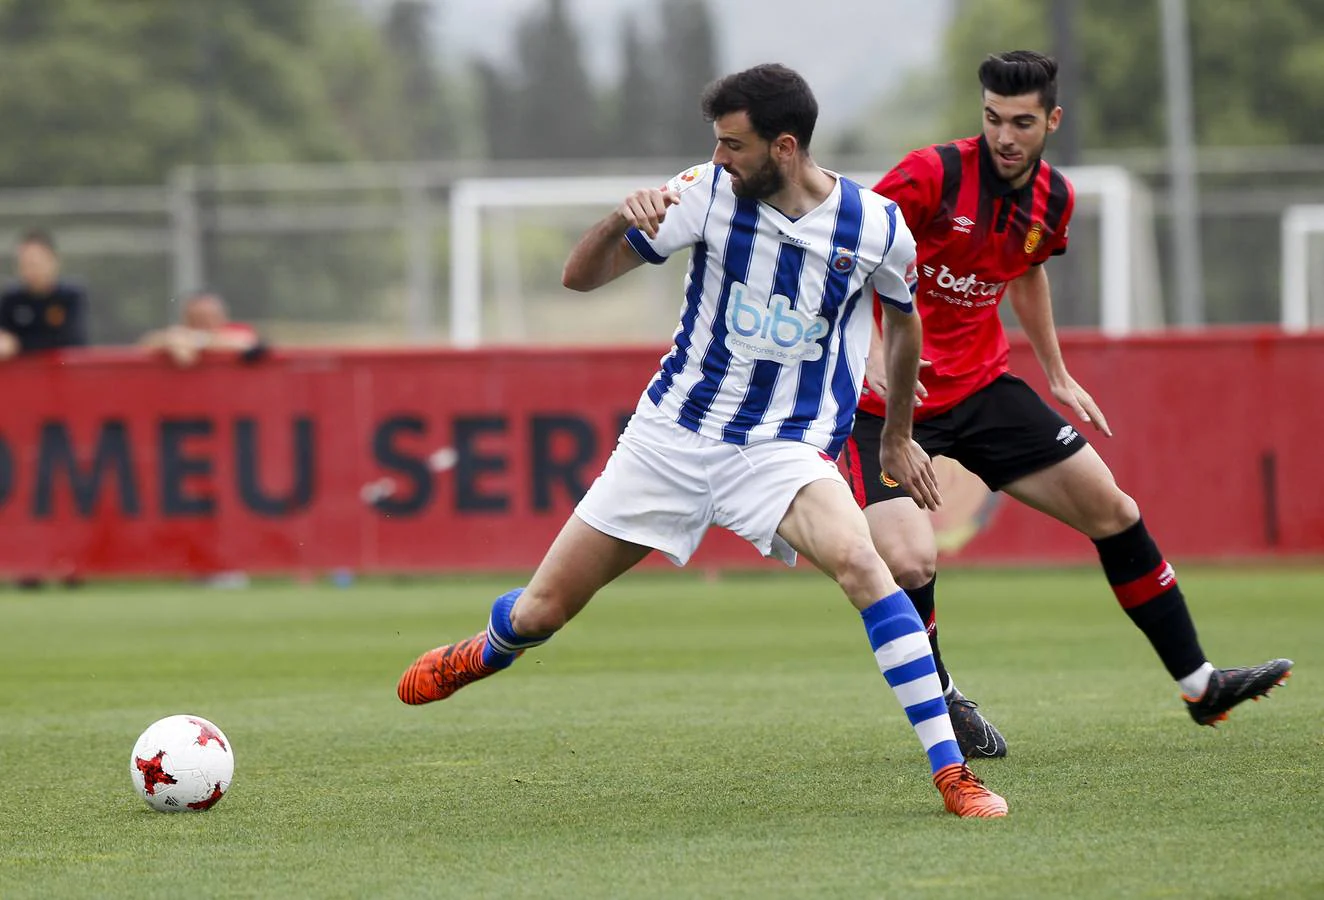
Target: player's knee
x,y
857,566
914,569
911,555
1119,513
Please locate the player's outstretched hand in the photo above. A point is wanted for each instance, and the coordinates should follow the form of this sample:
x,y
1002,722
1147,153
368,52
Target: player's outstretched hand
x,y
1072,395
875,378
646,208
906,463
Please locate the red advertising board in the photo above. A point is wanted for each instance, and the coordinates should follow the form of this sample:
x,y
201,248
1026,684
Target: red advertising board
x,y
311,460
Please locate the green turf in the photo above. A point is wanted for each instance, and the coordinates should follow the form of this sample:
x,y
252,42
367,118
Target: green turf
x,y
684,738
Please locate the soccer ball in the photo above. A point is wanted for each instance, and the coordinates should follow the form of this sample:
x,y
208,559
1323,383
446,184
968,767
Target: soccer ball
x,y
182,764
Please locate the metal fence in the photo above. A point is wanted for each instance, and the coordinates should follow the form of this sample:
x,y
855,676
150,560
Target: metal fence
x,y
363,253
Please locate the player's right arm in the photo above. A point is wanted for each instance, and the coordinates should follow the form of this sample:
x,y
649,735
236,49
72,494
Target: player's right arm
x,y
603,254
648,226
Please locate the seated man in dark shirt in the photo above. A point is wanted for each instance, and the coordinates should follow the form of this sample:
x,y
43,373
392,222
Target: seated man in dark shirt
x,y
41,312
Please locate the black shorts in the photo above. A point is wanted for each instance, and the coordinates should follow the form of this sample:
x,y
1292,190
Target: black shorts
x,y
1000,433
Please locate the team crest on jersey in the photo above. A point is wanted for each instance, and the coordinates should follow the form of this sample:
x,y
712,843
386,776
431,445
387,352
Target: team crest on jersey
x,y
1033,237
843,260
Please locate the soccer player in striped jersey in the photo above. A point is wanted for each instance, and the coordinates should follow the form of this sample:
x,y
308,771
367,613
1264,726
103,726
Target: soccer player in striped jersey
x,y
743,422
987,212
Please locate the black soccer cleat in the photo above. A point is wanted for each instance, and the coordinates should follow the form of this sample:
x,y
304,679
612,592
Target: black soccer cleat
x,y
1228,687
976,735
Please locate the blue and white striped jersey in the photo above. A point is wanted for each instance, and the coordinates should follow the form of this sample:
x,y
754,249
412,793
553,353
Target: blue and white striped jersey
x,y
773,335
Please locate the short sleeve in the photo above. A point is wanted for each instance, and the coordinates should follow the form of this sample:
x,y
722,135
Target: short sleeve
x,y
1058,245
1057,234
895,279
914,184
683,225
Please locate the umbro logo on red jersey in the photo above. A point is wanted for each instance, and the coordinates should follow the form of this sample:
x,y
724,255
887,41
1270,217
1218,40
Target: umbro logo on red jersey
x,y
962,224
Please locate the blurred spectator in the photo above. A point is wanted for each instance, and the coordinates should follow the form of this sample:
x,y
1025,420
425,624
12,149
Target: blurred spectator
x,y
205,325
41,312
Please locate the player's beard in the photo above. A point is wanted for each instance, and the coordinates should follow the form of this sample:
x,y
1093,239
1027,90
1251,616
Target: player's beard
x,y
1029,161
763,182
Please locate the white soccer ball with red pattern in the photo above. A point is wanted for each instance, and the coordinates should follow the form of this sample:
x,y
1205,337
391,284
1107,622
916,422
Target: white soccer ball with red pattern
x,y
182,764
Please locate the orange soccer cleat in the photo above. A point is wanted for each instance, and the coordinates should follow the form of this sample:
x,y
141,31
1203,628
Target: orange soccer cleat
x,y
439,673
965,795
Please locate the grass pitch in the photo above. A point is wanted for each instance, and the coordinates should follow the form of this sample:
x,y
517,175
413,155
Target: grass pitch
x,y
682,738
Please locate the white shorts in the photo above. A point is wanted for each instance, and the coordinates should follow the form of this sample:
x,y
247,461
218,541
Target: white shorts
x,y
665,485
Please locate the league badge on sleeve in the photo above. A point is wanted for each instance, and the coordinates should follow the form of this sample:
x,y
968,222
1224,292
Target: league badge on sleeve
x,y
688,179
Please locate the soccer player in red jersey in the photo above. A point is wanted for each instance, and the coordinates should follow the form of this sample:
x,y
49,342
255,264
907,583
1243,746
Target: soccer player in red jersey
x,y
986,213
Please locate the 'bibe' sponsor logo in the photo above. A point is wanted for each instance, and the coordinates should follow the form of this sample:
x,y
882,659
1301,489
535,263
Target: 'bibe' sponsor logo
x,y
774,331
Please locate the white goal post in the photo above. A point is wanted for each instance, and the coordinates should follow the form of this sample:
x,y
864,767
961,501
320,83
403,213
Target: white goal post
x,y
1128,294
1298,224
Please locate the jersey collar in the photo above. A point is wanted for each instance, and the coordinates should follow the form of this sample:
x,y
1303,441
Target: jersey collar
x,y
828,203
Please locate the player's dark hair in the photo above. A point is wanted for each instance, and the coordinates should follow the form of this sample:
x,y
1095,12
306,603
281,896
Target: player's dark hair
x,y
1019,72
776,99
39,237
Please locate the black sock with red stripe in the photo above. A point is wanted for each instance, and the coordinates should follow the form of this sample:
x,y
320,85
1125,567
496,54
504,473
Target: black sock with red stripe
x,y
922,597
1146,587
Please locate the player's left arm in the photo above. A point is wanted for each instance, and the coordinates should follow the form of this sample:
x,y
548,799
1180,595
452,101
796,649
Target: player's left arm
x,y
875,367
1031,300
902,457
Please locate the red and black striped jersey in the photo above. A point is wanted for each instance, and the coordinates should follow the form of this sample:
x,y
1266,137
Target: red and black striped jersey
x,y
975,232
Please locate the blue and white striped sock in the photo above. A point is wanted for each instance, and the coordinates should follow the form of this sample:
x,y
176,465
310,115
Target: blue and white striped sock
x,y
503,644
906,660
